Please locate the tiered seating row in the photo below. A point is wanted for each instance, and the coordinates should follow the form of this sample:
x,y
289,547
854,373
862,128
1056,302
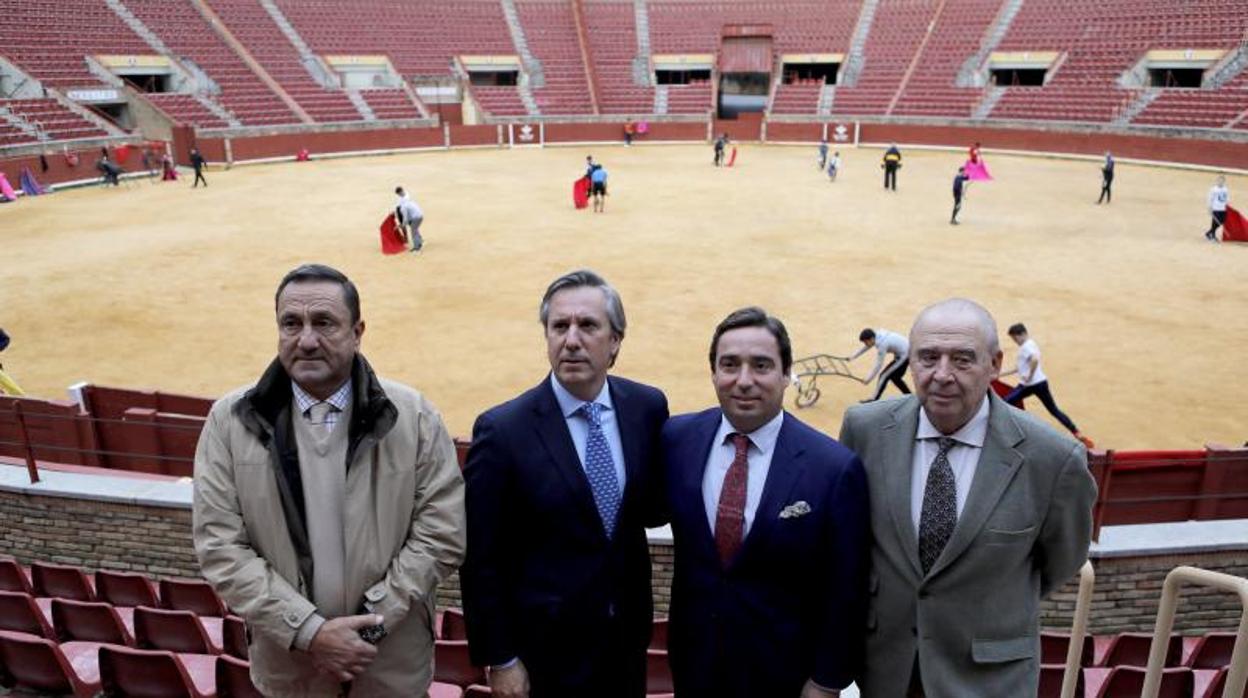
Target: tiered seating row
x,y
612,30
391,104
54,119
550,30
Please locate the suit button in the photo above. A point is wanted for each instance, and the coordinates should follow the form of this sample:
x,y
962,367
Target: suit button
x,y
923,594
914,631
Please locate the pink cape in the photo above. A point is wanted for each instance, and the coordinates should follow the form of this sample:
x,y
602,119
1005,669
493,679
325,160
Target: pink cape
x,y
977,171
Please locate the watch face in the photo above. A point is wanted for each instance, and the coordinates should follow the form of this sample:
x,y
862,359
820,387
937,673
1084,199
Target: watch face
x,y
373,634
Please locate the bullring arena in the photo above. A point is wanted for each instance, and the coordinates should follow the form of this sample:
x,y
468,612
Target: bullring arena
x,y
132,307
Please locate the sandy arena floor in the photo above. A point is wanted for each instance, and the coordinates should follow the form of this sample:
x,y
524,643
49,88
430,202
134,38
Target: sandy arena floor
x,y
1143,324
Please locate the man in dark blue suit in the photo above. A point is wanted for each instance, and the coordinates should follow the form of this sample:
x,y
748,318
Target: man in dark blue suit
x,y
770,520
561,484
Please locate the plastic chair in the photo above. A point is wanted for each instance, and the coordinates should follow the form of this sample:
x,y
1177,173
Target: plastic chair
x,y
191,595
89,621
1051,676
454,627
40,664
1128,682
658,634
658,672
234,679
61,582
234,638
1212,651
131,673
19,613
13,578
452,665
1053,647
1131,649
125,589
176,631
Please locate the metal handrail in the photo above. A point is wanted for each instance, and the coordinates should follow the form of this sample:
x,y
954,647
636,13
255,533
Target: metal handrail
x,y
1237,674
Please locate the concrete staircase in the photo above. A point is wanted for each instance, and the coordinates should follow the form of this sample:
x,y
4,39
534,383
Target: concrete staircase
x,y
660,99
970,74
827,94
22,125
361,105
183,80
525,91
1230,68
991,96
221,112
641,63
311,62
1137,105
532,66
857,45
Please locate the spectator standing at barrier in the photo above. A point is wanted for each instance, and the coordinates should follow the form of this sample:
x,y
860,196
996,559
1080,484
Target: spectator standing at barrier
x,y
561,483
629,129
1219,198
409,216
891,163
1107,179
169,171
328,505
770,523
959,182
885,343
8,386
978,511
598,187
823,153
1033,381
198,162
720,144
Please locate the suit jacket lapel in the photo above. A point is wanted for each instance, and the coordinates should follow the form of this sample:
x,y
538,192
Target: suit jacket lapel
x,y
552,430
629,423
692,461
787,465
898,457
997,466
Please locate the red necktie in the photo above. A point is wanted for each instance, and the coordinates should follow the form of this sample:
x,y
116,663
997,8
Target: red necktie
x,y
730,515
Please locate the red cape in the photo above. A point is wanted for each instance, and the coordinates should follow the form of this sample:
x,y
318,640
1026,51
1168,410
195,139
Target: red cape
x,y
1236,227
580,192
392,240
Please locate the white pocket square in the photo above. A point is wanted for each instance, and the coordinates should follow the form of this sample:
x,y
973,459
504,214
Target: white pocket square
x,y
795,510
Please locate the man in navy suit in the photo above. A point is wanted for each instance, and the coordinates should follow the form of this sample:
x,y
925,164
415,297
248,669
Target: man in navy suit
x,y
561,484
770,520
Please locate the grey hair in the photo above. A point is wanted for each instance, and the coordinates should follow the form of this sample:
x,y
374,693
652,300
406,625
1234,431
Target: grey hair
x,y
587,278
955,306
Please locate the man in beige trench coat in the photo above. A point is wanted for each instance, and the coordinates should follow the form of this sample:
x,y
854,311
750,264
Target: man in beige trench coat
x,y
328,506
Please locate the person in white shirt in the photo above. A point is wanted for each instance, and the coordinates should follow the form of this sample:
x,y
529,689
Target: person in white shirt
x,y
885,343
1219,197
834,166
409,217
1032,381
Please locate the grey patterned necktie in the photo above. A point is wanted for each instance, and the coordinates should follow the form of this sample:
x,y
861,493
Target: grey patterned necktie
x,y
318,415
940,507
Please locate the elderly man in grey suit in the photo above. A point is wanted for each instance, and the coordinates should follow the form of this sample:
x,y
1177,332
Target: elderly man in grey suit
x,y
977,510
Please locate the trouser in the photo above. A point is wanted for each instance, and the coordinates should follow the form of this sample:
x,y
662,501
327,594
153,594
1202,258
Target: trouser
x,y
893,373
199,177
719,156
890,177
1041,390
414,228
957,206
1106,194
1219,219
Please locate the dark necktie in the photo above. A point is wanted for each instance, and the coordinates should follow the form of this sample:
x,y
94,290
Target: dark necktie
x,y
600,469
730,514
940,507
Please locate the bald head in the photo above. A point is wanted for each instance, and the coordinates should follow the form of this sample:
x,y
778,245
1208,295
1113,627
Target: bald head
x,y
960,311
955,355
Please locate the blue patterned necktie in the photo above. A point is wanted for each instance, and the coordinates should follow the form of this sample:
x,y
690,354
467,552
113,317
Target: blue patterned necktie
x,y
600,468
939,514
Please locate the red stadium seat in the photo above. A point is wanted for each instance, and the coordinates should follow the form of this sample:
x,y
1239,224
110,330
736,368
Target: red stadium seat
x,y
61,582
14,578
452,665
19,613
131,673
658,634
1131,649
234,679
453,625
1053,648
658,672
1051,676
1217,686
39,664
191,595
89,621
1212,651
234,638
176,631
125,589
1128,682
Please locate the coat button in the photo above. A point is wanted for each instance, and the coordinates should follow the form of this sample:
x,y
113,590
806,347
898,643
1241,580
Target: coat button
x,y
914,631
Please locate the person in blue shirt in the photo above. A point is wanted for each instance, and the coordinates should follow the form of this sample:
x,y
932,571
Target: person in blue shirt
x,y
959,181
598,187
1107,179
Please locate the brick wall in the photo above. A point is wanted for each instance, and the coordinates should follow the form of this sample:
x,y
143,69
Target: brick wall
x,y
157,541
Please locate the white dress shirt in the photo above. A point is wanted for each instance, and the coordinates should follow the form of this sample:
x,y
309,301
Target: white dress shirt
x,y
758,464
578,425
963,458
1029,355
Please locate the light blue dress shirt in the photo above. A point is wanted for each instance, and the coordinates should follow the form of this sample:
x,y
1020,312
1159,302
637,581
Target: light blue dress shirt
x,y
578,425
